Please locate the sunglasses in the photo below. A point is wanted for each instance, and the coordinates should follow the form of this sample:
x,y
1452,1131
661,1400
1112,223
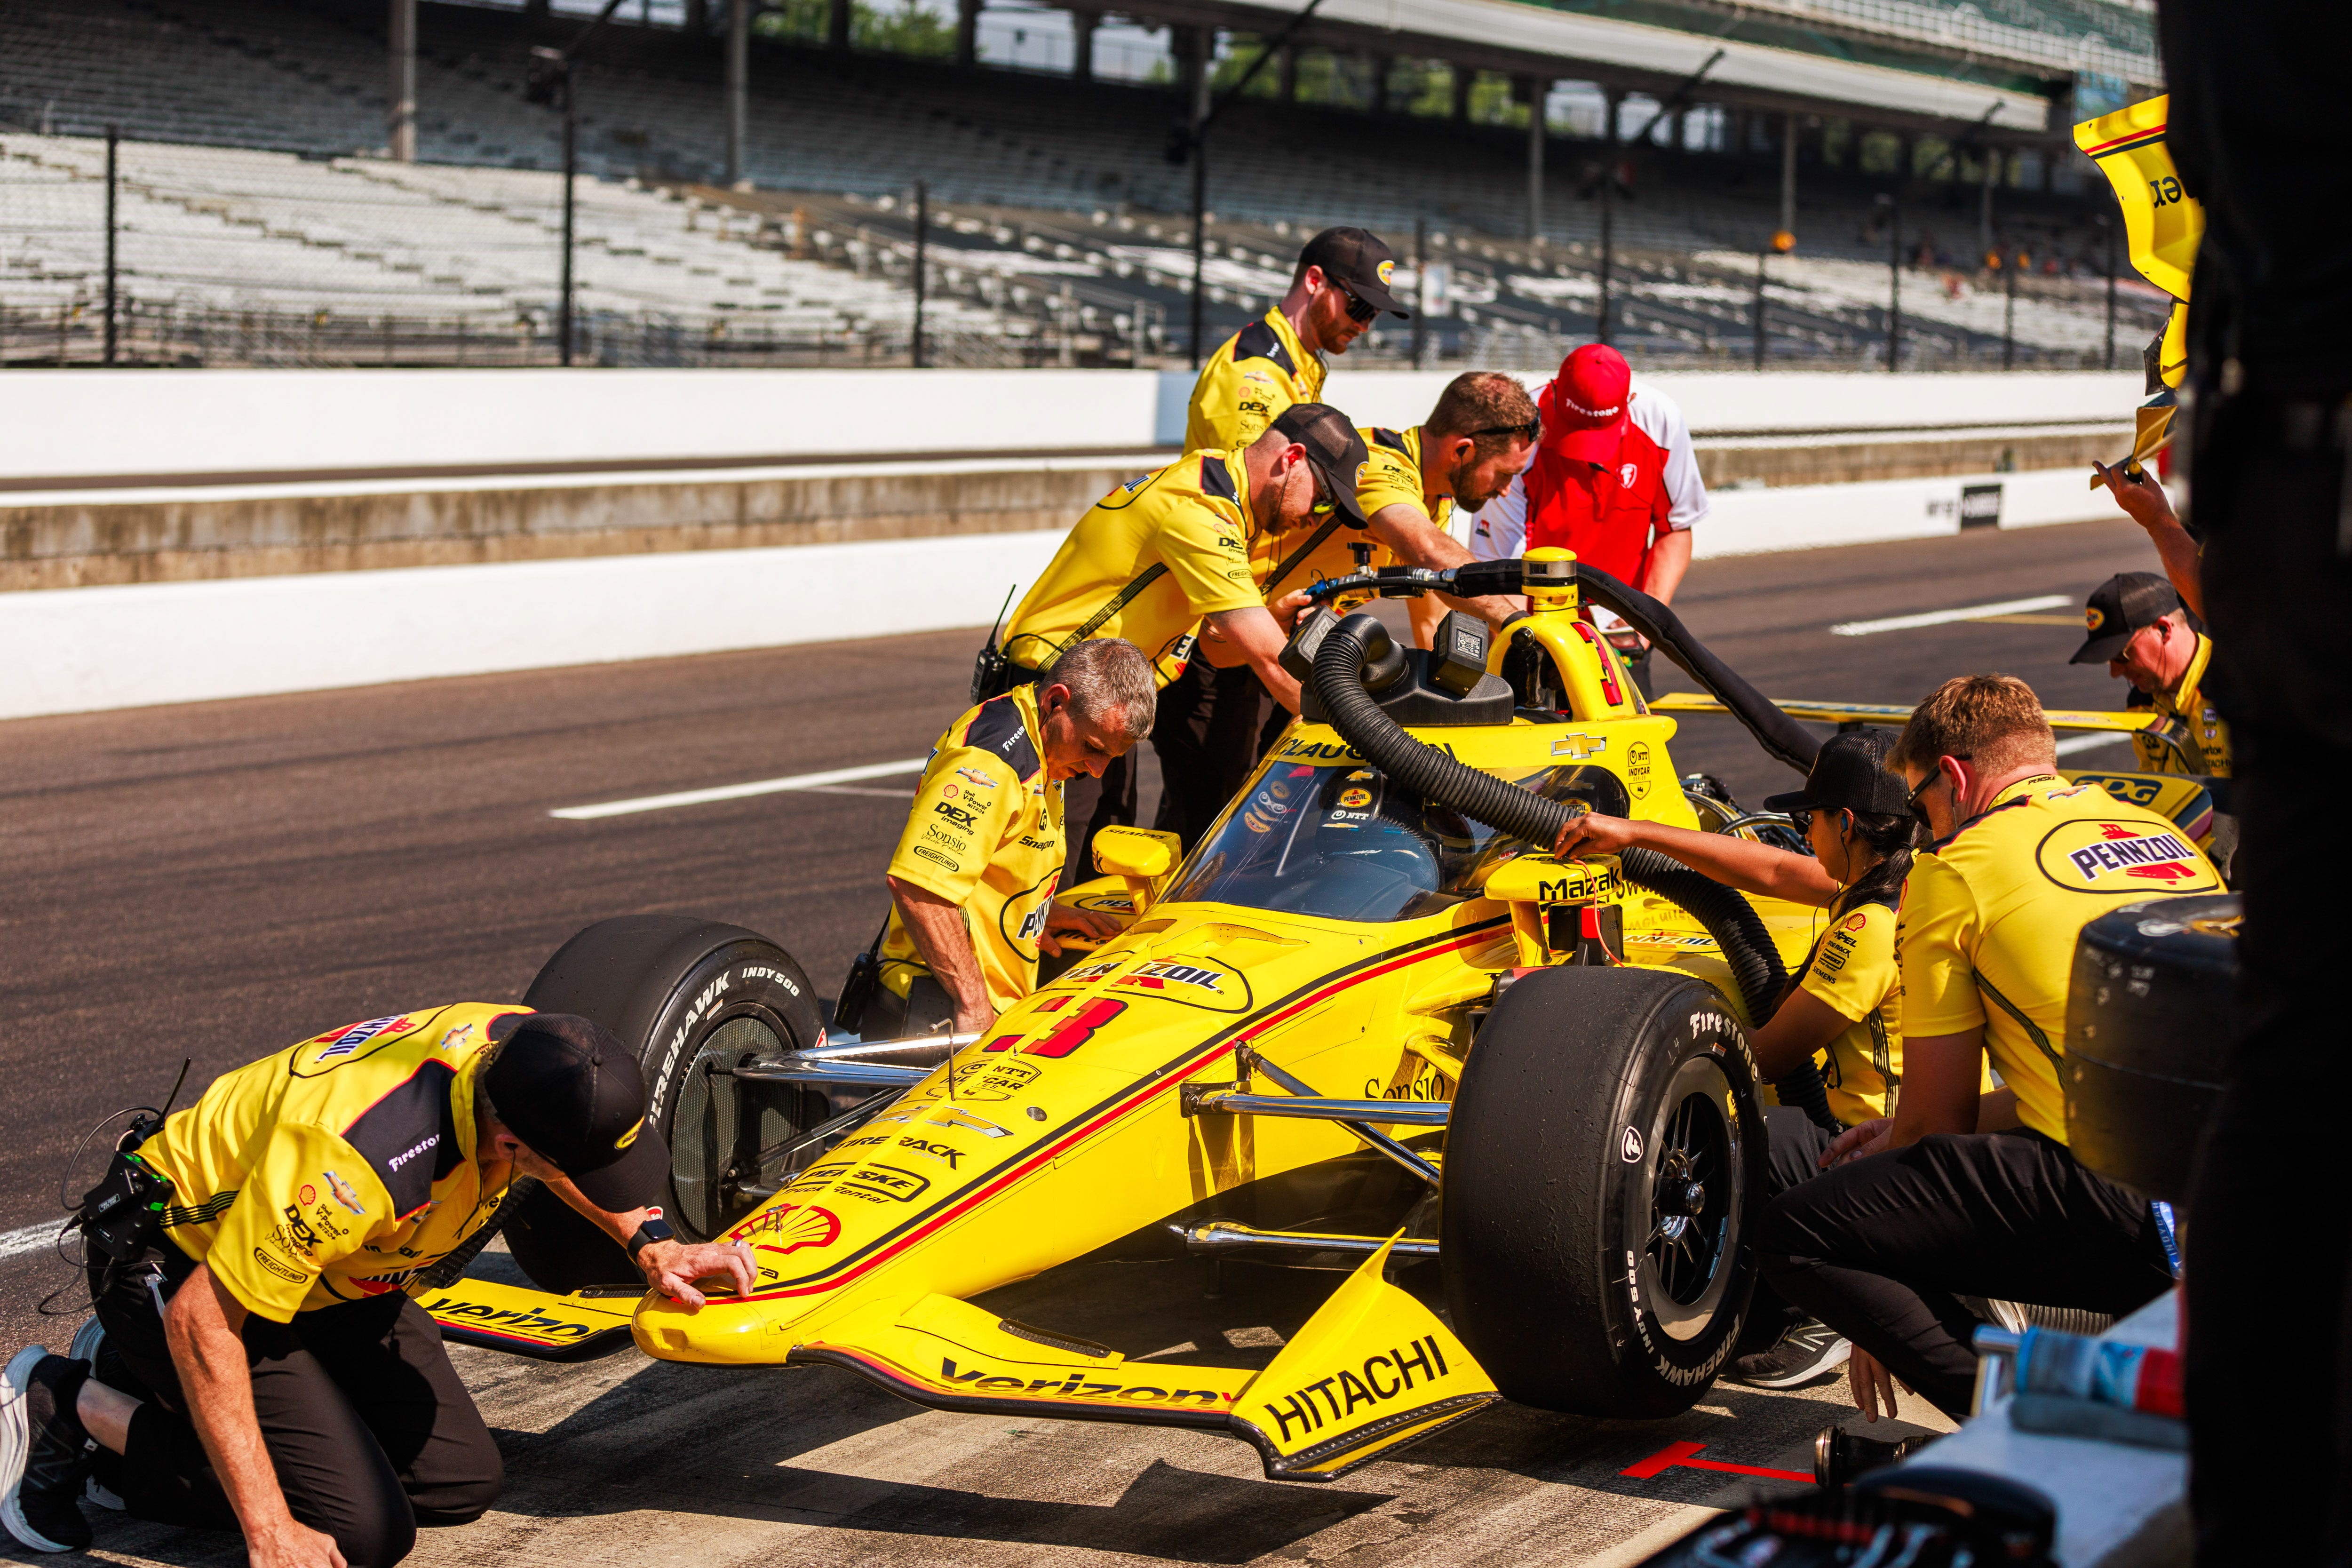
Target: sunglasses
x,y
1530,431
1358,309
1911,801
1801,819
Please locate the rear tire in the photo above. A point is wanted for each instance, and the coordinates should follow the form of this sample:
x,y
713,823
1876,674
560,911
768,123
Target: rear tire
x,y
1604,1154
685,995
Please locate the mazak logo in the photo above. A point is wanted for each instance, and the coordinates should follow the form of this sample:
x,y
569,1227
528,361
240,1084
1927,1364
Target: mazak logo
x,y
352,1037
405,1155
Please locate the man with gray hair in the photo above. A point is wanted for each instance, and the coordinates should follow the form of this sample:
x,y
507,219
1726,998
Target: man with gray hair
x,y
972,880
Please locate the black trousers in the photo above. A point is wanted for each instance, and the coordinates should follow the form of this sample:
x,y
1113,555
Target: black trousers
x,y
1793,1147
1206,732
2270,1287
368,1427
1881,1249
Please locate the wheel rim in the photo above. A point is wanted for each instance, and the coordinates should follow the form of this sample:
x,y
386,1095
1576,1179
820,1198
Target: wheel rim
x,y
1691,1199
717,1127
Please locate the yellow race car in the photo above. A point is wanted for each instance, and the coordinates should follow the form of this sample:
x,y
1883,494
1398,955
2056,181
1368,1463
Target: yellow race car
x,y
1370,1025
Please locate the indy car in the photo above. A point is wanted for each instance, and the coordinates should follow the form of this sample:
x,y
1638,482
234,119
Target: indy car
x,y
1371,1024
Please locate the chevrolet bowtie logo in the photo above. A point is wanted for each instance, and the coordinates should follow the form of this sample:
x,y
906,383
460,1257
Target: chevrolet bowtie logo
x,y
1579,747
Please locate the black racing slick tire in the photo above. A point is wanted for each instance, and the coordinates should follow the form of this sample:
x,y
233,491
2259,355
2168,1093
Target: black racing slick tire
x,y
693,999
1604,1159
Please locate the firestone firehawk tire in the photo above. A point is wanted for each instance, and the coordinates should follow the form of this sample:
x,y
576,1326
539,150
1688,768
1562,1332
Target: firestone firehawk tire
x,y
687,997
1604,1156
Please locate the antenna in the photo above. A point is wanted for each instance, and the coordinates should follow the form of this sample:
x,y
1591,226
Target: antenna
x,y
997,625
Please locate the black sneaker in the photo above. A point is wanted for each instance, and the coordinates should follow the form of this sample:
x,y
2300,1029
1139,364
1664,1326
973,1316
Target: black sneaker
x,y
43,1452
90,1344
1808,1350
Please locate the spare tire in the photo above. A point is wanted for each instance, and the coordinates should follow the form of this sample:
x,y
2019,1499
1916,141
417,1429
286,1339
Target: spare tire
x,y
2149,1016
691,998
1604,1153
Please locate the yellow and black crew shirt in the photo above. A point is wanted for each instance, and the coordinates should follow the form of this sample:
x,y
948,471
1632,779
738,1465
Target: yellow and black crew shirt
x,y
1391,477
1986,934
2189,717
1853,972
1253,375
338,1169
1192,519
985,835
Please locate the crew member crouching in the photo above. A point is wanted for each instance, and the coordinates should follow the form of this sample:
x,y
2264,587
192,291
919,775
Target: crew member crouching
x,y
263,1366
972,880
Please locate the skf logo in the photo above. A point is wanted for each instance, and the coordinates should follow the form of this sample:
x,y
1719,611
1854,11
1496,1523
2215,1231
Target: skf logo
x,y
1381,1379
1386,269
2094,618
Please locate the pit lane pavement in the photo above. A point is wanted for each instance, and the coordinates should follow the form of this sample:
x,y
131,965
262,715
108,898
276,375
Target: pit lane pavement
x,y
215,880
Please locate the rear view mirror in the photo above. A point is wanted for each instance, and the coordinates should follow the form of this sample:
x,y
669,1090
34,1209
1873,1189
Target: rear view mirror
x,y
1141,856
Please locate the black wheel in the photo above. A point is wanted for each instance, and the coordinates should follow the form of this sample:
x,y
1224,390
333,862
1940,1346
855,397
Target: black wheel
x,y
694,999
1605,1150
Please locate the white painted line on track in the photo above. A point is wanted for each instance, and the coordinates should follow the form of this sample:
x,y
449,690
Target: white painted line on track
x,y
32,1238
2073,743
1942,617
740,791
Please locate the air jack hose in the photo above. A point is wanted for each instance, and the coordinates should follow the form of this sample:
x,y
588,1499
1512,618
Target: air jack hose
x,y
1726,915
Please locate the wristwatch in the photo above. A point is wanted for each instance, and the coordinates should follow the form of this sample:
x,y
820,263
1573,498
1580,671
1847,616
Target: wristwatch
x,y
655,1228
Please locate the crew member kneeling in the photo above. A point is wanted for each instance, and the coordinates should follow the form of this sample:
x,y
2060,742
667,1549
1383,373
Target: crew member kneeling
x,y
1845,1008
1977,1194
972,881
263,1366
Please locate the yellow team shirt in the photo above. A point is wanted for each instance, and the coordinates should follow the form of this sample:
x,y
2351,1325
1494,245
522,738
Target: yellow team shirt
x,y
1391,477
2191,719
338,1169
1253,375
986,835
1853,972
1986,934
1190,518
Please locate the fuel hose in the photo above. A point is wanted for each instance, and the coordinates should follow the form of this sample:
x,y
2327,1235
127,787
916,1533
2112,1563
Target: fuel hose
x,y
1723,912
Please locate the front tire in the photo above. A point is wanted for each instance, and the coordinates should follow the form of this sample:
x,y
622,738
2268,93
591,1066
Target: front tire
x,y
690,998
1605,1151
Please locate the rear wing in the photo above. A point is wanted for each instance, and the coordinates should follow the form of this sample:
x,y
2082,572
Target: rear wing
x,y
1898,713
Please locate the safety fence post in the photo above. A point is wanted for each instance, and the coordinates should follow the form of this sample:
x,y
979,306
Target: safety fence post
x,y
1759,307
113,138
2107,222
1420,289
1613,103
922,226
1893,202
2009,311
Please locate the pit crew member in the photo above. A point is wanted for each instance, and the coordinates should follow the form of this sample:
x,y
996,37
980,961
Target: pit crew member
x,y
972,880
266,1369
2140,630
1614,478
1211,713
1844,1008
2144,501
1968,1193
1477,436
1165,554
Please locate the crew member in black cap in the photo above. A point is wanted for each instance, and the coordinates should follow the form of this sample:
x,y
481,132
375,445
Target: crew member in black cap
x,y
2142,632
1214,710
1843,1013
263,1365
1163,561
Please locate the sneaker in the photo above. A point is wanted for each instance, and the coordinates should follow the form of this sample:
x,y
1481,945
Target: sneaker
x,y
43,1452
90,1345
1808,1350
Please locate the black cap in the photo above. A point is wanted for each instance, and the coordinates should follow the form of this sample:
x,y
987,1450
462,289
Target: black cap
x,y
1850,774
1356,258
571,1092
2120,607
1335,448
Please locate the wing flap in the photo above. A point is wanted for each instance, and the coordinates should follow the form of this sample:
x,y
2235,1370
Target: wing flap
x,y
1898,713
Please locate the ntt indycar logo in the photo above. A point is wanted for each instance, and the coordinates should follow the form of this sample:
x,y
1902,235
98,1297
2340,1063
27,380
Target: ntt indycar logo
x,y
2156,856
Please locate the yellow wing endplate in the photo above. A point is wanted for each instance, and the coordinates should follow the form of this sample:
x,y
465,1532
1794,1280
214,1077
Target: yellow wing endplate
x,y
1896,713
2162,223
535,1324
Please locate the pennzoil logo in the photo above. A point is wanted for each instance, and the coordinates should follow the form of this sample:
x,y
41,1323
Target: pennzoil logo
x,y
1194,982
2096,856
1378,1379
2094,618
352,1037
1385,271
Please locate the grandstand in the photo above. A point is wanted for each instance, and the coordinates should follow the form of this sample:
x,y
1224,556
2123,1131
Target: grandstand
x,y
259,222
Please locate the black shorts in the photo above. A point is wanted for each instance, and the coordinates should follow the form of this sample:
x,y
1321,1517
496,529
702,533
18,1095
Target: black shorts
x,y
368,1427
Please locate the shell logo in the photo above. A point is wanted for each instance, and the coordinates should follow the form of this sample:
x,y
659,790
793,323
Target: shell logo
x,y
1854,921
789,1228
1385,270
2094,618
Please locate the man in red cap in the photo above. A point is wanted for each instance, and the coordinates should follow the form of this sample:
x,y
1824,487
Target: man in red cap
x,y
1613,479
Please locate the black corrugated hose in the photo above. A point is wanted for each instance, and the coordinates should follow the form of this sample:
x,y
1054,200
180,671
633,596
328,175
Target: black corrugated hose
x,y
1726,915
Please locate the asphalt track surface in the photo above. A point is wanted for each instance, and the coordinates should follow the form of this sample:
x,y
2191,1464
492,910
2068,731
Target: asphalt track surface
x,y
217,881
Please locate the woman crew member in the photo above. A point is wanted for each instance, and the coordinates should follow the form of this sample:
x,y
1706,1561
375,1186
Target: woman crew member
x,y
1842,1008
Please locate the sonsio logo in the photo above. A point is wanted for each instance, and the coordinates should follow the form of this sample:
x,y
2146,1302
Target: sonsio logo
x,y
352,1037
1382,1378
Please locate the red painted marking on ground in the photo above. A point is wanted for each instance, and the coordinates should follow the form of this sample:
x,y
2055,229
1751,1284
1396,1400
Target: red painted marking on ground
x,y
1684,1455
